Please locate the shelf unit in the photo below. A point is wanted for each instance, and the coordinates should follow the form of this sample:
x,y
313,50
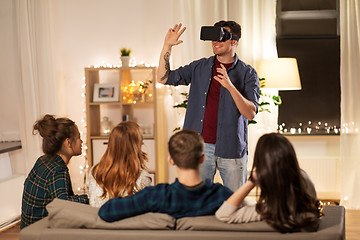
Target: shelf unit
x,y
136,102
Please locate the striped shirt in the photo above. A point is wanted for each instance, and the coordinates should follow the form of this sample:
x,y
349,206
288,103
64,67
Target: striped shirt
x,y
174,199
48,179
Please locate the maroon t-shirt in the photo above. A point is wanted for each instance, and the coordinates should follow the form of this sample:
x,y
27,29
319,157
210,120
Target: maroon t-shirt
x,y
212,105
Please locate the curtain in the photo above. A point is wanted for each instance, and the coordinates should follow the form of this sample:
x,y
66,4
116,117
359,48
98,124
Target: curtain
x,y
37,84
256,18
350,98
258,41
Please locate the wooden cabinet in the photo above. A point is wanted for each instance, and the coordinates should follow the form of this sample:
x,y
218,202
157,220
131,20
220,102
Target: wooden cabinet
x,y
120,94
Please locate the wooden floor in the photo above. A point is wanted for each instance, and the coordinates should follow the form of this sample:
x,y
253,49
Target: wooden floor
x,y
352,227
352,224
11,233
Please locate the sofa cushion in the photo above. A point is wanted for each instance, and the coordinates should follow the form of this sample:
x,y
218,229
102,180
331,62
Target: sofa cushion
x,y
211,223
67,214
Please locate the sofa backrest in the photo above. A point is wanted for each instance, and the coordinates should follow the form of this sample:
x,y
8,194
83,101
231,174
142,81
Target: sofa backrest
x,y
66,214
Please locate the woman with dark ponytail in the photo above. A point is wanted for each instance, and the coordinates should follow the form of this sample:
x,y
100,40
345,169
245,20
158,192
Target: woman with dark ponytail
x,y
49,178
287,198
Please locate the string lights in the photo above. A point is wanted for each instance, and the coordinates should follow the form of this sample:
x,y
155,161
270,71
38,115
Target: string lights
x,y
83,167
310,128
132,63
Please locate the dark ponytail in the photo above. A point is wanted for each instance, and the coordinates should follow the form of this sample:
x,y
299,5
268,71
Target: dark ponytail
x,y
54,132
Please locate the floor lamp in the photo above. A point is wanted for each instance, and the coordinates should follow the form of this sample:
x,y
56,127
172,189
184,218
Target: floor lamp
x,y
280,74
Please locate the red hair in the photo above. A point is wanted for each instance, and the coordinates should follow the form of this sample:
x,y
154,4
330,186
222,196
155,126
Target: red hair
x,y
122,162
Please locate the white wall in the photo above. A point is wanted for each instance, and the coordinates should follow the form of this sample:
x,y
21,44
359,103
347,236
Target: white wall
x,y
9,65
12,184
91,32
9,88
319,156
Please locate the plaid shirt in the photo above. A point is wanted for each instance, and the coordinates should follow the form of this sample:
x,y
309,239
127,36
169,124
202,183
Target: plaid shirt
x,y
48,179
174,199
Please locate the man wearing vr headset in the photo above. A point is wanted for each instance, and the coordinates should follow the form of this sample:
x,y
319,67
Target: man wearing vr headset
x,y
223,96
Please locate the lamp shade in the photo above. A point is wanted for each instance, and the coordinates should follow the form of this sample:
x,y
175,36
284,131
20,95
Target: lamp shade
x,y
280,73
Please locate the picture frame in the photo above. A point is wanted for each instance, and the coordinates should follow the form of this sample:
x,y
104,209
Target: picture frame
x,y
106,92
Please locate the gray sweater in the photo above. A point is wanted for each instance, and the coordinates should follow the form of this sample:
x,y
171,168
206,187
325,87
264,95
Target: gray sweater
x,y
246,212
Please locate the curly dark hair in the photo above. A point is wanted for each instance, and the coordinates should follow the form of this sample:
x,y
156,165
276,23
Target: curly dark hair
x,y
234,27
54,132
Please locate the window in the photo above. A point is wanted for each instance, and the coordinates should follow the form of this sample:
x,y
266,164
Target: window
x,y
309,32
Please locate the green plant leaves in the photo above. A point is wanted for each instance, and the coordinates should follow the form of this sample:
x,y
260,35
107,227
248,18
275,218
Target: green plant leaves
x,y
263,104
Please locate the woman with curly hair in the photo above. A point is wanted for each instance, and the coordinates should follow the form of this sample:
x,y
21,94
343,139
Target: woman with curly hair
x,y
49,178
121,171
287,198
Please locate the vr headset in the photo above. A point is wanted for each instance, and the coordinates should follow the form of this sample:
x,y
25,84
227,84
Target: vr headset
x,y
216,33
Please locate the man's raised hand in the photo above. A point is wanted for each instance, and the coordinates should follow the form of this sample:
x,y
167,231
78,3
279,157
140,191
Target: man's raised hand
x,y
173,35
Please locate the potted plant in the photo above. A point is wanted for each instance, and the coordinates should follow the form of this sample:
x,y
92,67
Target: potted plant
x,y
125,56
264,101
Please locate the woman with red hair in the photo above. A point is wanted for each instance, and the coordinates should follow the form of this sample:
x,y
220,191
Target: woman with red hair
x,y
121,171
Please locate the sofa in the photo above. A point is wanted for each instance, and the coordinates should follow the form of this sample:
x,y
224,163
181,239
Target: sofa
x,y
73,221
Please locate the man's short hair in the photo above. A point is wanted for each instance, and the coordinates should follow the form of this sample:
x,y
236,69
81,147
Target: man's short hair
x,y
186,148
234,27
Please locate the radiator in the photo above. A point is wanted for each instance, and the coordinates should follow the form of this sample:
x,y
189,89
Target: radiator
x,y
10,201
324,172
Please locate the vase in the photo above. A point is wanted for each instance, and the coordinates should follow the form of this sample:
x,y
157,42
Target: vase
x,y
105,127
125,60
